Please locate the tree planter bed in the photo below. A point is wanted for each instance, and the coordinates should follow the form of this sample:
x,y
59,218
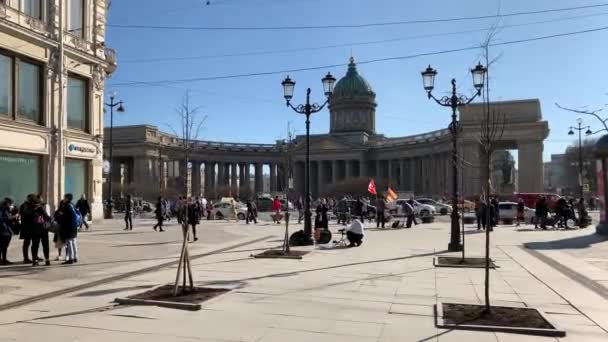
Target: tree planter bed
x,y
280,254
162,296
518,320
444,261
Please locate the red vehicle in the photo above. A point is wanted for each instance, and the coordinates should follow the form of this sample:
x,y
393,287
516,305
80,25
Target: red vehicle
x,y
530,199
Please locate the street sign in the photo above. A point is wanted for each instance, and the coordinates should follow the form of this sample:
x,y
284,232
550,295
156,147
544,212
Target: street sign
x,y
586,187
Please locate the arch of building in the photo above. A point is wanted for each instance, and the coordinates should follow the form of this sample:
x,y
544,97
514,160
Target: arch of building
x,y
352,151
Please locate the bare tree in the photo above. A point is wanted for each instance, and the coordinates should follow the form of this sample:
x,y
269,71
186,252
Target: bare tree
x,y
492,129
191,123
594,113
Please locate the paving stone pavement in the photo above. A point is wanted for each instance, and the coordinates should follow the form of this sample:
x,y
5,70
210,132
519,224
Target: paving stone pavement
x,y
382,291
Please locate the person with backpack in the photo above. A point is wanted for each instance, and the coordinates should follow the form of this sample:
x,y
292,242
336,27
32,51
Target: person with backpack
x,y
84,208
6,231
39,232
129,213
70,220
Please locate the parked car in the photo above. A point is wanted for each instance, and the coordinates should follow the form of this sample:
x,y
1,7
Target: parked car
x,y
441,208
223,210
508,211
421,210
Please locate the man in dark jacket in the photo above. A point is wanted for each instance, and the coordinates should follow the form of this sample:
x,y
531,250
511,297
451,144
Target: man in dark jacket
x,y
128,213
250,213
541,213
68,229
84,208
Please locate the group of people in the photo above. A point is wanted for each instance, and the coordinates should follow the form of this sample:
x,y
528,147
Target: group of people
x,y
565,210
32,221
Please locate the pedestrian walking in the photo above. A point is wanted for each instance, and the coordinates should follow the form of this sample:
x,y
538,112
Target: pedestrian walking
x,y
413,205
6,229
582,213
39,232
193,217
209,209
541,213
276,209
250,212
68,231
129,213
26,215
233,209
408,211
380,209
57,241
159,211
300,209
321,214
84,208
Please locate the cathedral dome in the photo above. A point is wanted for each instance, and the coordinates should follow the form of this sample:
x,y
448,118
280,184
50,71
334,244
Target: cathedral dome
x,y
353,104
352,84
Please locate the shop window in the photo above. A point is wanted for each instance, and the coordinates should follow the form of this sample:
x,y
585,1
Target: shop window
x,y
20,175
76,177
78,117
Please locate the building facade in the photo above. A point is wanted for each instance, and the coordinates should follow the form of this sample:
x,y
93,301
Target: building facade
x,y
343,160
53,65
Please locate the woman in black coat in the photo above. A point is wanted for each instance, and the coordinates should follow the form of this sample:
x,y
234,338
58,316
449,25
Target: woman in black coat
x,y
193,216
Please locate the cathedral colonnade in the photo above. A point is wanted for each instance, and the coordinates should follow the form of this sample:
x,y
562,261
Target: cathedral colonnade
x,y
343,160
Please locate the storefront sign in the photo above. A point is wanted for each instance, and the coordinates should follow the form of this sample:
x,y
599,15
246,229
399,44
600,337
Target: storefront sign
x,y
81,150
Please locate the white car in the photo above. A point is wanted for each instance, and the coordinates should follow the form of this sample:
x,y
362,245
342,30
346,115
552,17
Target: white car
x,y
442,208
508,210
422,210
223,210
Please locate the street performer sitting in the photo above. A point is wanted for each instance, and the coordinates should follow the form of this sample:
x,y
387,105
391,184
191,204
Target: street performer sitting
x,y
355,233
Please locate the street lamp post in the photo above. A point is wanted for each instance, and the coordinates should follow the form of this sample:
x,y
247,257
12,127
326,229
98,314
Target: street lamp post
x,y
454,101
307,109
120,109
579,128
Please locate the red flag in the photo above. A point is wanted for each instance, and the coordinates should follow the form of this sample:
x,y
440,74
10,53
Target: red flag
x,y
371,188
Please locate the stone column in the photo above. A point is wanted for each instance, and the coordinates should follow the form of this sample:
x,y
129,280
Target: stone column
x,y
363,168
530,163
402,175
273,177
220,175
334,172
247,177
348,170
142,170
209,179
196,178
233,179
472,183
259,178
320,177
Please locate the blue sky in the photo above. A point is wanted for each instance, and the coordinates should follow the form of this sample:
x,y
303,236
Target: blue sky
x,y
569,70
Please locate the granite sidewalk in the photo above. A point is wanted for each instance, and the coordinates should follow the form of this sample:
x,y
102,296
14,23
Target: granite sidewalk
x,y
382,291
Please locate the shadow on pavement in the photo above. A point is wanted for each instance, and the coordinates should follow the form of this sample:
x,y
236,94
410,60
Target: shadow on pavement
x,y
573,242
114,290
